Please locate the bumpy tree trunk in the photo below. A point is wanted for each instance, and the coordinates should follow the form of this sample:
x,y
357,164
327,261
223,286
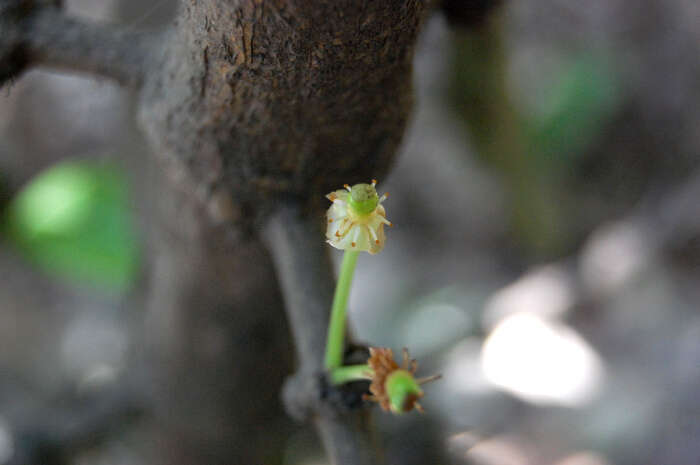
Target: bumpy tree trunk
x,y
252,104
257,100
217,341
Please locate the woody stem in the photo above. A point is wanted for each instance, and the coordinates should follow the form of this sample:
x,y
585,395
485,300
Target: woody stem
x,y
335,343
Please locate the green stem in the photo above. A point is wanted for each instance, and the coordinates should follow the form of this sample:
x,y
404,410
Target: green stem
x,y
336,329
350,373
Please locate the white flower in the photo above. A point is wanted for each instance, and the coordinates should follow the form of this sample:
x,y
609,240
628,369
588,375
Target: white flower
x,y
356,219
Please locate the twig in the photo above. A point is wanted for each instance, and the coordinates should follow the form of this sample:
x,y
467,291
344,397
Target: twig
x,y
301,260
45,36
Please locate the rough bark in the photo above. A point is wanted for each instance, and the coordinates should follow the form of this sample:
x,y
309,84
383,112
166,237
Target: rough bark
x,y
259,99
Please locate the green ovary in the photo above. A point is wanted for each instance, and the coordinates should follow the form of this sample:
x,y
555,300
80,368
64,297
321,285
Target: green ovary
x,y
402,388
363,199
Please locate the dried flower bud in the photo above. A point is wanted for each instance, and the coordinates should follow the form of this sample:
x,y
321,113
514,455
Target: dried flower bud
x,y
356,219
394,387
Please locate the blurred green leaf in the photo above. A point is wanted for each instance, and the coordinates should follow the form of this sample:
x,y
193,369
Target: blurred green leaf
x,y
581,102
73,220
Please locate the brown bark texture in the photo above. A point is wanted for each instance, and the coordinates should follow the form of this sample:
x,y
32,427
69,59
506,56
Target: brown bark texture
x,y
258,100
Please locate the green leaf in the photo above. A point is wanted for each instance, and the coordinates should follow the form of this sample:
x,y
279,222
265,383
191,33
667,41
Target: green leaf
x,y
581,102
73,221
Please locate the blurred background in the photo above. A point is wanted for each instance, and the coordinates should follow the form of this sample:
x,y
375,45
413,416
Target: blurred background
x,y
545,259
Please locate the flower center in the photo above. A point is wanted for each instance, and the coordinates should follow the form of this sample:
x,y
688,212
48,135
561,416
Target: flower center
x,y
363,199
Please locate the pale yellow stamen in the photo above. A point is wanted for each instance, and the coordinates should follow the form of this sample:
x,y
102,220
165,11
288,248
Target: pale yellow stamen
x,y
373,234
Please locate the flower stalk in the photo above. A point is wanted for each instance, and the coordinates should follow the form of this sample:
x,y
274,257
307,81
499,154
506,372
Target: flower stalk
x,y
335,344
355,223
350,373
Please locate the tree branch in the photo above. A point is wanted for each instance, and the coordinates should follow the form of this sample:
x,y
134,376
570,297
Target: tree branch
x,y
303,268
44,35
